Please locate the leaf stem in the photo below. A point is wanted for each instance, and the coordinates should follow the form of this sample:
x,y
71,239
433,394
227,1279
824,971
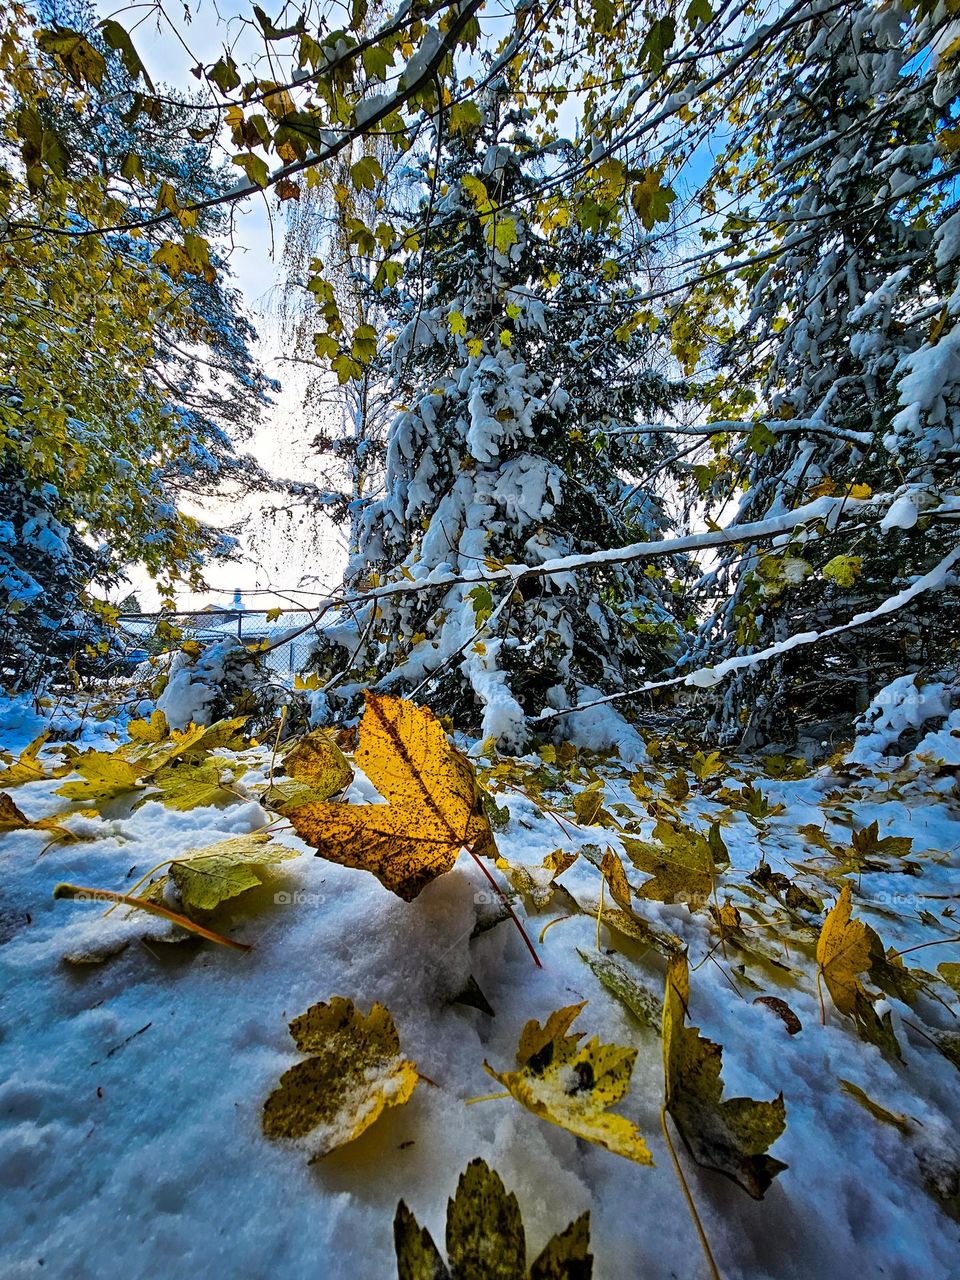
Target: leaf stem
x,y
513,915
705,1243
937,942
549,925
154,908
276,742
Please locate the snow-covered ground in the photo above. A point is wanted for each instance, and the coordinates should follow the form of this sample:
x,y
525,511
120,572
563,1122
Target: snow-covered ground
x,y
132,1089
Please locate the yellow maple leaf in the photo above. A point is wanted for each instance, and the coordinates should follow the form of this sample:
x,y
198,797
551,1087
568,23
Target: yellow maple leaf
x,y
319,763
572,1086
683,864
28,767
731,1135
353,1074
312,681
155,729
843,570
104,775
844,951
432,808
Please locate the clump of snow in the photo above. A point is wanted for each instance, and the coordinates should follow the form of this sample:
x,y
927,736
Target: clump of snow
x,y
603,728
901,514
26,716
943,744
901,705
192,686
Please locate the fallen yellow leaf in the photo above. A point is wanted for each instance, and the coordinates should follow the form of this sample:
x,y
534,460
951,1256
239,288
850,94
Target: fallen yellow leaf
x,y
28,767
730,1136
572,1086
355,1073
432,808
844,952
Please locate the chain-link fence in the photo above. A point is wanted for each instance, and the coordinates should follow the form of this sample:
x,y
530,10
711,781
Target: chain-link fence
x,y
151,633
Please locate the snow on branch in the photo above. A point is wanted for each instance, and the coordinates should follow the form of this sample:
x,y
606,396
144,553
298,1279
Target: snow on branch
x,y
708,677
805,426
828,510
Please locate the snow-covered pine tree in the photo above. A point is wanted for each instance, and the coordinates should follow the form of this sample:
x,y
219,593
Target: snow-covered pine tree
x,y
849,337
514,386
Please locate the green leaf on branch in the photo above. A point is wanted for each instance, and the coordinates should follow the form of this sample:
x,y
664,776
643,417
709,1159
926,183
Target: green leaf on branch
x,y
843,570
119,40
255,167
83,63
650,200
366,173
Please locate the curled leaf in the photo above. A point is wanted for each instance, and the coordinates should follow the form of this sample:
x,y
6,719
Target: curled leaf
x,y
611,868
536,885
879,1113
783,1012
84,894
